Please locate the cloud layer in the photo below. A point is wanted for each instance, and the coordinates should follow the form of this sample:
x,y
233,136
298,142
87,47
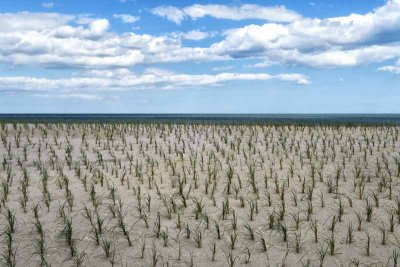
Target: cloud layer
x,y
123,79
333,42
58,40
283,37
243,12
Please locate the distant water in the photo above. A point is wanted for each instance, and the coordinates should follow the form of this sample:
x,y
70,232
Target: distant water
x,y
393,119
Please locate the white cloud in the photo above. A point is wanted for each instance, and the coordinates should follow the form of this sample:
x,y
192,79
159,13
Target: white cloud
x,y
126,18
193,35
99,26
26,22
392,69
65,41
122,79
196,35
54,40
113,73
263,64
159,72
332,42
247,11
243,12
71,96
48,4
169,12
223,68
48,39
337,58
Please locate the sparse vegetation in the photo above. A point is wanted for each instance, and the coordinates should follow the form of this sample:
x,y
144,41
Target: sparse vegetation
x,y
199,194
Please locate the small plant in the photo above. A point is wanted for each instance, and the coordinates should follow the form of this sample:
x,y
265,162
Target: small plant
x,y
247,255
375,197
283,230
66,234
368,210
234,220
213,249
187,231
206,220
332,244
314,228
297,241
359,217
157,226
250,231
8,257
383,235
309,209
322,199
143,248
350,233
230,259
198,237
391,216
333,223
154,256
368,244
122,225
11,220
108,247
78,259
164,236
232,238
217,230
271,219
262,242
340,210
198,207
296,218
321,251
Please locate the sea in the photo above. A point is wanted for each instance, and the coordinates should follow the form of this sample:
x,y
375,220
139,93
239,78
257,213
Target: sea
x,y
362,119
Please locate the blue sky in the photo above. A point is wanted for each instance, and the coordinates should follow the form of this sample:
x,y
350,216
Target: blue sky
x,y
136,56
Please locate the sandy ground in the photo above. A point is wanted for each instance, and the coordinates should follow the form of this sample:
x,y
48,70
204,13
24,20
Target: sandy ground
x,y
169,188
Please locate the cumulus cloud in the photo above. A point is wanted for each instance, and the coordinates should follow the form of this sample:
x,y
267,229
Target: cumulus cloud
x,y
331,42
334,58
26,22
64,41
243,12
49,40
126,18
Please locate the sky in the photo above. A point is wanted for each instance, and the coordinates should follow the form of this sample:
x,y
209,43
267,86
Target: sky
x,y
192,56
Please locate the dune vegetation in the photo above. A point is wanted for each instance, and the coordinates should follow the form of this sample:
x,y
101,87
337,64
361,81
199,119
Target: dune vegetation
x,y
170,194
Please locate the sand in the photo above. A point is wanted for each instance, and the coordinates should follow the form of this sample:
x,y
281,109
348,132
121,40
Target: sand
x,y
134,179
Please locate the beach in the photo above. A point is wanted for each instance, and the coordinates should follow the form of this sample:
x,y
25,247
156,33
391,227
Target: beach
x,y
198,194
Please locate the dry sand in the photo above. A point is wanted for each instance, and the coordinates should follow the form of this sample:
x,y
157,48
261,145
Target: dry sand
x,y
142,172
